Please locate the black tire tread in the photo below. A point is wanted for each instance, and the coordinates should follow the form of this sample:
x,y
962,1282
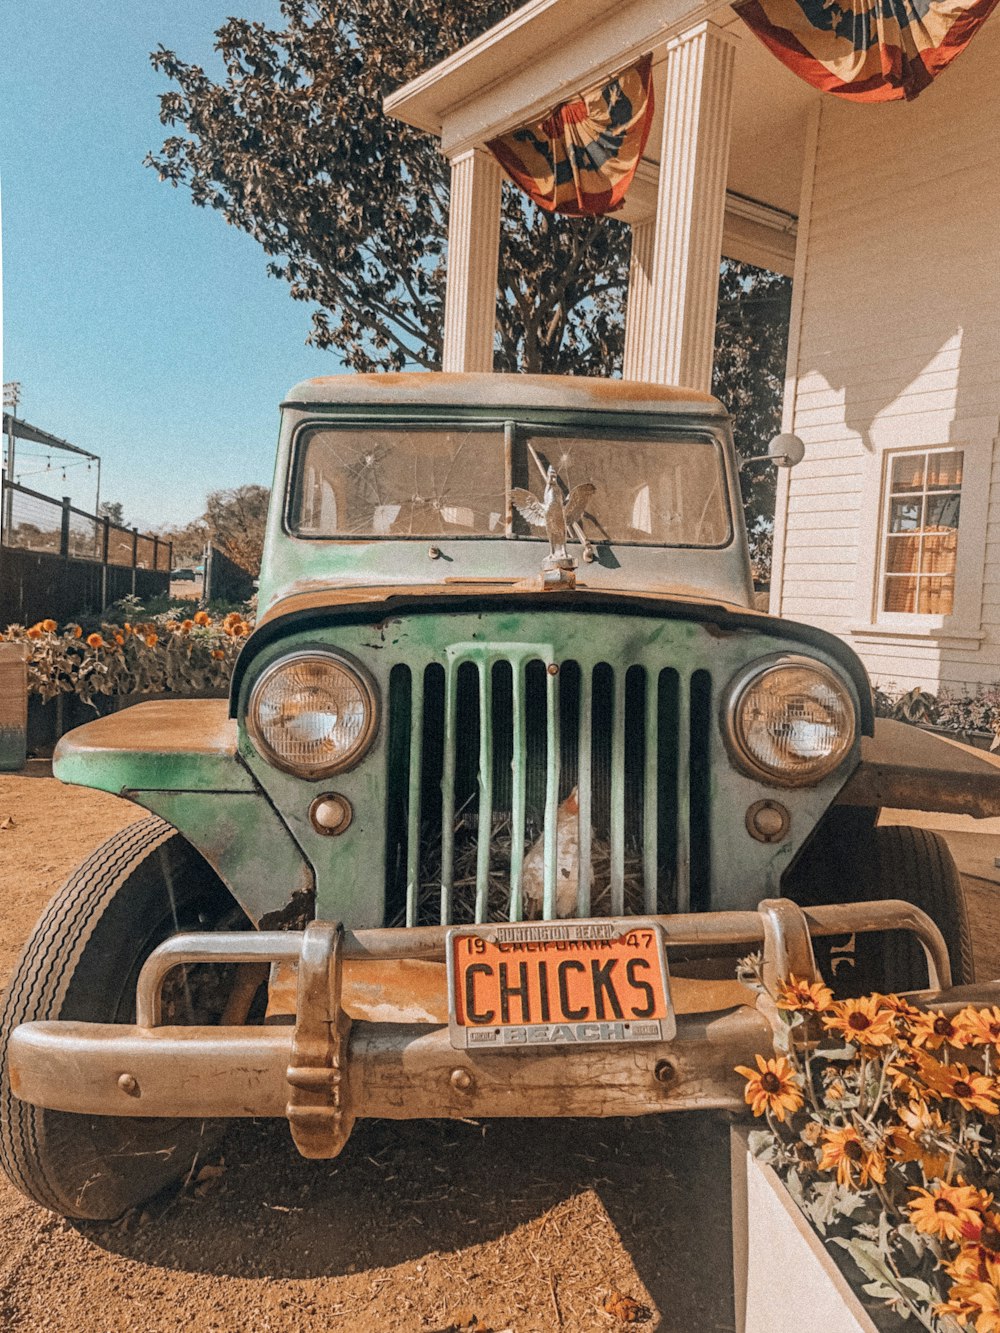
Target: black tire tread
x,y
42,977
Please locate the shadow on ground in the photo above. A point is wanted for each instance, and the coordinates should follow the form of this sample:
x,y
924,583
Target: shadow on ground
x,y
404,1190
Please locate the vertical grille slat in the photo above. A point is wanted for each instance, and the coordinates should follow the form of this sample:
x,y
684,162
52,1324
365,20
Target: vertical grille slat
x,y
519,780
499,767
651,797
585,792
552,771
618,723
682,881
448,791
484,830
414,802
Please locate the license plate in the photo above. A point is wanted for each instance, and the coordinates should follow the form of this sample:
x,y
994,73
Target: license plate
x,y
558,983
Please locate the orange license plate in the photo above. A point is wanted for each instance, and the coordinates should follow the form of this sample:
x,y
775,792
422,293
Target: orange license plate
x,y
558,983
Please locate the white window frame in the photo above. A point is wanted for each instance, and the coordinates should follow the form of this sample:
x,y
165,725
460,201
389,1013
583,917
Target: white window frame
x,y
962,626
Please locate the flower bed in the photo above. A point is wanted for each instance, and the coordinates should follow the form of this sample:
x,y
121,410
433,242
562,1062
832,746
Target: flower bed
x,y
166,654
972,717
884,1125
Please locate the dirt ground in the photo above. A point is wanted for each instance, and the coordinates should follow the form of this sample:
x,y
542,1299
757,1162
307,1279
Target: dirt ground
x,y
427,1227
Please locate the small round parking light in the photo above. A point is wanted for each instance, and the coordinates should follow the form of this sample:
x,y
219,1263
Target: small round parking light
x,y
331,814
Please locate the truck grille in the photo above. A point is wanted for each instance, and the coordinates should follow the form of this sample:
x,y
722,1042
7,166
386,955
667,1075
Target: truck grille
x,y
521,788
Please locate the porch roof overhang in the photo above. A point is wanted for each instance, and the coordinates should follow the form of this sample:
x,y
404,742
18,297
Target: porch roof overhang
x,y
548,50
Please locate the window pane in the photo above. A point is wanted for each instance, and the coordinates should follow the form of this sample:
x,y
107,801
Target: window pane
x,y
904,515
908,472
944,470
900,595
942,510
400,483
902,555
937,595
669,492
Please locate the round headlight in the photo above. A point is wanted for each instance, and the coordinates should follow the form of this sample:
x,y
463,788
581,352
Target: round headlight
x,y
790,721
313,714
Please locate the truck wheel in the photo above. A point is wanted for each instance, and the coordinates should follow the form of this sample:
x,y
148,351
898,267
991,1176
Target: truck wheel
x,y
81,962
916,865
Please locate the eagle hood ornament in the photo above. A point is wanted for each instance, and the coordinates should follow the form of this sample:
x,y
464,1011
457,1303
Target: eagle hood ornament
x,y
556,515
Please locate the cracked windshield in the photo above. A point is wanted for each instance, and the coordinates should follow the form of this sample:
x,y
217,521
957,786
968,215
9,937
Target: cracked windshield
x,y
453,483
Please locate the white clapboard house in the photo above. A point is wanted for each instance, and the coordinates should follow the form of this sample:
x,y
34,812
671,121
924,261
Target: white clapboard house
x,y
888,217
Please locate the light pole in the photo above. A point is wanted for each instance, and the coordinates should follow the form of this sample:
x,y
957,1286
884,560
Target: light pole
x,y
11,399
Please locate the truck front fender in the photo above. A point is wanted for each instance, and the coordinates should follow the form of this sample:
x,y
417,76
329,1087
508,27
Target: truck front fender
x,y
179,759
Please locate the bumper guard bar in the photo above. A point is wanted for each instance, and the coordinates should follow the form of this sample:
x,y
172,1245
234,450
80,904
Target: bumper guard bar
x,y
325,1071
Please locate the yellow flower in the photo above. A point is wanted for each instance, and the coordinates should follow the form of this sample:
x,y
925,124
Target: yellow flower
x,y
804,996
202,618
979,1027
898,1004
49,626
94,641
128,628
845,1150
77,632
968,1087
919,1139
944,1210
34,632
218,654
862,1022
772,1086
932,1029
959,1304
119,639
152,640
187,625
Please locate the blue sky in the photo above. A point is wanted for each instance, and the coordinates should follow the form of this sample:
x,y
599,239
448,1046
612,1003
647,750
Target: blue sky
x,y
141,328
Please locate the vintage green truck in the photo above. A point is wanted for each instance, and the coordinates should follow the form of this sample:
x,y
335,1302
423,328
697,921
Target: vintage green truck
x,y
511,774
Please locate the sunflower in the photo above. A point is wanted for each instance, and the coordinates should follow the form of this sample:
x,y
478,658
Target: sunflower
x,y
971,1089
944,1210
845,1150
932,1029
771,1087
959,1304
979,1027
49,626
202,618
152,640
804,996
218,654
862,1022
898,1004
986,1299
95,641
920,1138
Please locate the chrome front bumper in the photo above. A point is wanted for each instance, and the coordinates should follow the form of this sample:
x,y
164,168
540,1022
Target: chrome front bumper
x,y
324,1070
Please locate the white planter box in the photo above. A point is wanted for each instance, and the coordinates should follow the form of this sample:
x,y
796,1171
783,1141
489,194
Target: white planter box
x,y
784,1277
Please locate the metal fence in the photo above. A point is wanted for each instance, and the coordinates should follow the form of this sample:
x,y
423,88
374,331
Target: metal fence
x,y
36,522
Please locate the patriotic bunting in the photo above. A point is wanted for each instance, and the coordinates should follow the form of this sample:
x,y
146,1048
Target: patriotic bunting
x,y
866,50
581,158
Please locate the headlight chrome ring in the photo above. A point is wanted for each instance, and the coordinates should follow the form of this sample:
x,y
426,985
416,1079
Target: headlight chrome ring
x,y
313,713
789,720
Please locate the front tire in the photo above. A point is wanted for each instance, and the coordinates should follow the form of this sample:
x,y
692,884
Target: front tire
x,y
875,864
81,963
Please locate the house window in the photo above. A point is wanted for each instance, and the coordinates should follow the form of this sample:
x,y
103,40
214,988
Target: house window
x,y
920,532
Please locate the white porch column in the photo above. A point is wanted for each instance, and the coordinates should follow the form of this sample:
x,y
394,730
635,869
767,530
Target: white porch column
x,y
637,311
473,250
690,207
